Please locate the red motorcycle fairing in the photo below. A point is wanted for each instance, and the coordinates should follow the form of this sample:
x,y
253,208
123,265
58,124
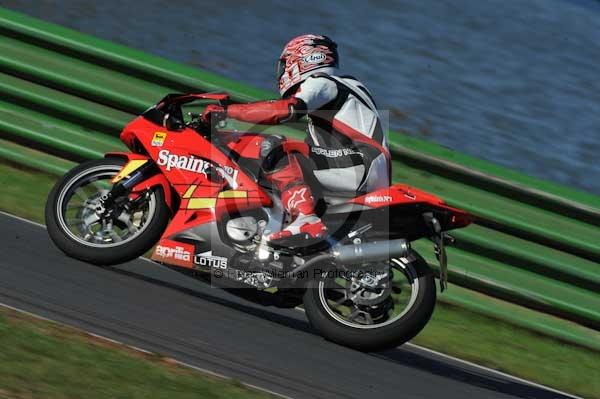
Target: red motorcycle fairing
x,y
206,181
402,194
247,146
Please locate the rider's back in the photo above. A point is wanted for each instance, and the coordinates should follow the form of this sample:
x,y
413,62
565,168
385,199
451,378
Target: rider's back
x,y
346,137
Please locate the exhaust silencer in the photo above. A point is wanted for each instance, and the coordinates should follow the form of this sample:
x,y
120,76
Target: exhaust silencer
x,y
371,251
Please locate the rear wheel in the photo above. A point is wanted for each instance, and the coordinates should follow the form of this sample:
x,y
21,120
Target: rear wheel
x,y
80,226
376,309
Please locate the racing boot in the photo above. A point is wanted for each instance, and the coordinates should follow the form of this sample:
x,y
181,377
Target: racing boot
x,y
300,204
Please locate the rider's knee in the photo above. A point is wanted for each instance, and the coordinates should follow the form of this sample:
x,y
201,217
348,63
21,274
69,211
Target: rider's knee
x,y
275,152
272,153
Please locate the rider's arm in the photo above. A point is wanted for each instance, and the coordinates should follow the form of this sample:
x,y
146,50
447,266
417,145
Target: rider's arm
x,y
311,95
268,112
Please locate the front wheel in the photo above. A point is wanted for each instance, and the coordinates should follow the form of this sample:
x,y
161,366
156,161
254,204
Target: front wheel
x,y
80,226
377,308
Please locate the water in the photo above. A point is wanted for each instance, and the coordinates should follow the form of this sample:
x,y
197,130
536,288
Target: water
x,y
515,82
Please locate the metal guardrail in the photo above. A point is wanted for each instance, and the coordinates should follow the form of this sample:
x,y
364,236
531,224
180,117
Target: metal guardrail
x,y
535,243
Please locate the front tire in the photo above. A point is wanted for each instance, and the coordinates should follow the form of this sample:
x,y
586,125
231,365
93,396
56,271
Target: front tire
x,y
79,232
390,333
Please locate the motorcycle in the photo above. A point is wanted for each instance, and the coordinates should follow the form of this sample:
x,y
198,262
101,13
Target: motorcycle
x,y
196,194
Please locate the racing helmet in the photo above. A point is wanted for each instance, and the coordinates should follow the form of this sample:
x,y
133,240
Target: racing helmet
x,y
302,56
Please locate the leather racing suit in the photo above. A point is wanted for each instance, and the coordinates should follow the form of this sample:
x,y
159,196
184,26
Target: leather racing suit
x,y
346,142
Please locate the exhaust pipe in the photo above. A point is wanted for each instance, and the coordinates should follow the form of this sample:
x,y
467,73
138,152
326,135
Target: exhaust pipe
x,y
357,253
371,251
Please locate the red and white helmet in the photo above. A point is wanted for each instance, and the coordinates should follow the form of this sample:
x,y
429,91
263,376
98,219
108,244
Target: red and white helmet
x,y
302,56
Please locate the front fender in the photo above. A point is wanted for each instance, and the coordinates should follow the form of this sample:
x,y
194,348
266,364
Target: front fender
x,y
157,179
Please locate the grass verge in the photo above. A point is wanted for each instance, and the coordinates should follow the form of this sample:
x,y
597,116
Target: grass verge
x,y
452,330
40,359
513,350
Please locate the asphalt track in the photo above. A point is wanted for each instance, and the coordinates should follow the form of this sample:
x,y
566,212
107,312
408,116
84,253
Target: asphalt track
x,y
150,307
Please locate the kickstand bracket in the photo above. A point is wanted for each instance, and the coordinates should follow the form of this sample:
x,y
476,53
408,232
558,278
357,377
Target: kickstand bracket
x,y
440,239
440,254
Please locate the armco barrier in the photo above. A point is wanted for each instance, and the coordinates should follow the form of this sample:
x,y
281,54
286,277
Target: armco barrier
x,y
535,243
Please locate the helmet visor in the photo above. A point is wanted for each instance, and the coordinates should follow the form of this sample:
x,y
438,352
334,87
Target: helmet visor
x,y
280,68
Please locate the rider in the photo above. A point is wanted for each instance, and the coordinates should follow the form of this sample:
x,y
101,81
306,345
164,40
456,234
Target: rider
x,y
346,139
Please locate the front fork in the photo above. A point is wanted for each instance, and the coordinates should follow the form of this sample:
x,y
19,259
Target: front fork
x,y
133,173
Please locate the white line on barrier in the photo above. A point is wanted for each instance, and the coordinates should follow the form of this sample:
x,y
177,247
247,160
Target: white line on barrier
x,y
420,348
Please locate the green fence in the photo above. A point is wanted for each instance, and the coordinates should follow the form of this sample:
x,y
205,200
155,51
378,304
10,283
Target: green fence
x,y
535,244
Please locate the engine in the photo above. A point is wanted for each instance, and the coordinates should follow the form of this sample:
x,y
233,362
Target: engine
x,y
241,230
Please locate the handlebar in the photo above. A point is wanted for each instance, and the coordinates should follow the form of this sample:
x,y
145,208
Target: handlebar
x,y
167,112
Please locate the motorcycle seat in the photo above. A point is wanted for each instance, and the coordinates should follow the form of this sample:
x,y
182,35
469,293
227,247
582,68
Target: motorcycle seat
x,y
338,202
336,198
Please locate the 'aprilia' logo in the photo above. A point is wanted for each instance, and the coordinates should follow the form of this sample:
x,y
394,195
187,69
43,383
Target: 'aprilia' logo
x,y
176,253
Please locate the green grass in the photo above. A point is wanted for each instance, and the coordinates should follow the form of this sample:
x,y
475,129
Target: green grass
x,y
39,359
512,350
452,330
23,192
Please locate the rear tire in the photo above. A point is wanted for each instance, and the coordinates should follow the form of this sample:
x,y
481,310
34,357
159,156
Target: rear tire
x,y
112,253
379,338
